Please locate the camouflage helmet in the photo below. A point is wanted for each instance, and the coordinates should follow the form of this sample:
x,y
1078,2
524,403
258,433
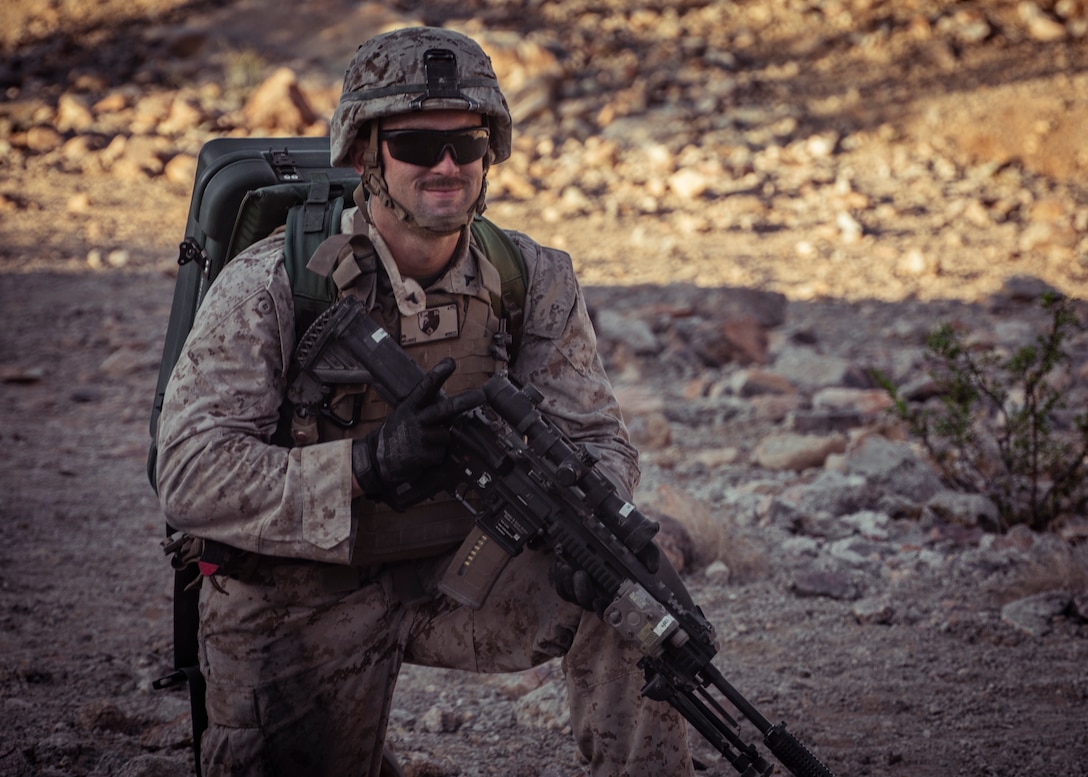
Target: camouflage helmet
x,y
418,69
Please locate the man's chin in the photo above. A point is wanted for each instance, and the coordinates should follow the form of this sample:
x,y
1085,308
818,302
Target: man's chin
x,y
441,226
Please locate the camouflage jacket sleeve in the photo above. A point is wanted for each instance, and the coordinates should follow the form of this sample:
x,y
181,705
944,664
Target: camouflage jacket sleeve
x,y
219,474
558,355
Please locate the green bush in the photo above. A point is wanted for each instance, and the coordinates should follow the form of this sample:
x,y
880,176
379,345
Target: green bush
x,y
999,424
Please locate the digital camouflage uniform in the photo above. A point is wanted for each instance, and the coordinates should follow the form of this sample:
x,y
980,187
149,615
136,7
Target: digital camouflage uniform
x,y
301,652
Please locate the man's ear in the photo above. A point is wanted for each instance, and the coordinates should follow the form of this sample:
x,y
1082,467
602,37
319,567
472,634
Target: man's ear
x,y
355,154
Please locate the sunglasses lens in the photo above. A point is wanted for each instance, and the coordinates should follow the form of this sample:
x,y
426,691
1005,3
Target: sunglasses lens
x,y
425,148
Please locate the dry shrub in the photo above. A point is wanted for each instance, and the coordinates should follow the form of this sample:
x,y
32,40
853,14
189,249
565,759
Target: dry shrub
x,y
1054,566
715,536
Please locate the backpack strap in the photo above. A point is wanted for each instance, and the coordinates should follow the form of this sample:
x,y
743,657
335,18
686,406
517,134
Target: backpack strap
x,y
308,225
501,251
312,222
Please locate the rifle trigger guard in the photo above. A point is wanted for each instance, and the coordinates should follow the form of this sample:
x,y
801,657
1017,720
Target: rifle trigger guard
x,y
340,421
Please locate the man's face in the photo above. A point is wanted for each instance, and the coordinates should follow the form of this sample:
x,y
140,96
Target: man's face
x,y
440,195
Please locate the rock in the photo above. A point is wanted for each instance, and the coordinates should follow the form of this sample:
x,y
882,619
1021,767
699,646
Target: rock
x,y
857,553
870,524
833,585
1034,615
154,766
774,408
1040,27
180,170
546,707
632,332
1026,288
831,492
128,360
1042,235
17,374
740,339
278,104
118,258
79,204
59,748
850,229
1079,606
966,509
134,158
529,72
769,308
105,716
718,572
894,466
756,382
149,111
700,529
518,684
917,263
186,114
674,540
649,431
789,451
638,399
823,421
440,720
860,401
809,369
42,139
714,459
73,115
874,610
689,184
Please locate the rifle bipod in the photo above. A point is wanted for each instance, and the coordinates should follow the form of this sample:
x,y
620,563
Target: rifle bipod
x,y
706,714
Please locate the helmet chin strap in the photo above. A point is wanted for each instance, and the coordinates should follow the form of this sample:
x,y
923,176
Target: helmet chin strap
x,y
374,182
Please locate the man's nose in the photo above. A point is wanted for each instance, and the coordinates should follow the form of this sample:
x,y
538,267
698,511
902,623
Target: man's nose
x,y
447,159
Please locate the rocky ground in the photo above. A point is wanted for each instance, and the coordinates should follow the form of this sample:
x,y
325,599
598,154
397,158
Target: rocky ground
x,y
764,200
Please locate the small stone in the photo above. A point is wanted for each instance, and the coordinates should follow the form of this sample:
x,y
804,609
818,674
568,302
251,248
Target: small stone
x,y
832,585
873,611
1040,26
916,263
43,139
717,572
72,114
79,204
438,720
689,184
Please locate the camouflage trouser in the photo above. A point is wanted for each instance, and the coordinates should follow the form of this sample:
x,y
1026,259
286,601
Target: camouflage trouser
x,y
301,664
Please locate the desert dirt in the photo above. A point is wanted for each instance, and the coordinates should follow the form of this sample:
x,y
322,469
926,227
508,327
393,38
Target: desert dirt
x,y
884,166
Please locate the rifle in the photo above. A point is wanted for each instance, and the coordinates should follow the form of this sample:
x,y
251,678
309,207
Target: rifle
x,y
531,486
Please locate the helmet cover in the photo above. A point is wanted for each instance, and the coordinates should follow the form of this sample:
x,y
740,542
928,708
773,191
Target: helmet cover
x,y
418,69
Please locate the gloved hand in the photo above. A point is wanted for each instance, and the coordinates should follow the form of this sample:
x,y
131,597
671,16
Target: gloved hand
x,y
574,584
415,435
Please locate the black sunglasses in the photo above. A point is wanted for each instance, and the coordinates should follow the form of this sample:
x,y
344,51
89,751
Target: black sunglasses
x,y
426,148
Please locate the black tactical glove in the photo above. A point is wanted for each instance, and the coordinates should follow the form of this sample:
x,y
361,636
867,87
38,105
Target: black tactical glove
x,y
414,437
576,586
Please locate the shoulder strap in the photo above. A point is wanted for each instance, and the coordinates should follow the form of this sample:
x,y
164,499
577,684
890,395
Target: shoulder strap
x,y
501,252
312,222
308,225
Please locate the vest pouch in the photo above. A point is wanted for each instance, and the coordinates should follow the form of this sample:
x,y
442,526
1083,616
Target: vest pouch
x,y
384,535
